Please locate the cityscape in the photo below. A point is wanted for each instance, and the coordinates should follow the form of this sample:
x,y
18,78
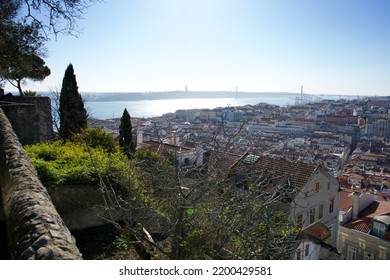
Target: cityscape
x,y
348,138
181,138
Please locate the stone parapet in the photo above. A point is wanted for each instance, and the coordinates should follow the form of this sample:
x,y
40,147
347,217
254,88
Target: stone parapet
x,y
34,227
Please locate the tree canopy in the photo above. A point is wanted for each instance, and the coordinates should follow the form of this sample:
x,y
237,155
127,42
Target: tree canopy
x,y
52,16
125,135
21,48
25,27
26,66
73,115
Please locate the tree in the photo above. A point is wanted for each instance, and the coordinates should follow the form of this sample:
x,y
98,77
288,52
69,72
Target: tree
x,y
8,10
73,115
125,135
97,137
25,67
21,49
25,26
55,95
55,16
202,212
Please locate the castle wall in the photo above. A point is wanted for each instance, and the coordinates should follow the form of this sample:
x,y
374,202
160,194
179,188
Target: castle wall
x,y
35,229
30,117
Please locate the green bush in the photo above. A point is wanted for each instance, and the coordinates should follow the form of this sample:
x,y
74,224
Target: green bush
x,y
60,163
30,93
97,138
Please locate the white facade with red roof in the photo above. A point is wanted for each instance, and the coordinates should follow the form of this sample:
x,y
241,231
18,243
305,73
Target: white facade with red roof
x,y
364,232
312,196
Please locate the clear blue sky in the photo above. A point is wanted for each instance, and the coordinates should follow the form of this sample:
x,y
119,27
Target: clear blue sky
x,y
331,46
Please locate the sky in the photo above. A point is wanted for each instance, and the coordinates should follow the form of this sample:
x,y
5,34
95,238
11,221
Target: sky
x,y
326,46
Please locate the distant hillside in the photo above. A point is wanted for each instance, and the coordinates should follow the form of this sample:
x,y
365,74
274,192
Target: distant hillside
x,y
130,96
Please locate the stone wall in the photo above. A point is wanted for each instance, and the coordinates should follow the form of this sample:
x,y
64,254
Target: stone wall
x,y
35,229
80,207
30,117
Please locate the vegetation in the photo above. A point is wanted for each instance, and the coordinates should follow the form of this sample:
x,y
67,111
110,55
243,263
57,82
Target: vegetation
x,y
26,66
60,163
51,16
103,243
125,135
56,16
73,115
199,212
30,93
97,138
21,48
25,27
176,213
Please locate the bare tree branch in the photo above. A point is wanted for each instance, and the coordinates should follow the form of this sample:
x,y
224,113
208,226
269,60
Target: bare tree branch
x,y
57,17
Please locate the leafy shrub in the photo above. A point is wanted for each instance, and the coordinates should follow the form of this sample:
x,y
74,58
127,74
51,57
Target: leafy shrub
x,y
30,93
59,163
97,138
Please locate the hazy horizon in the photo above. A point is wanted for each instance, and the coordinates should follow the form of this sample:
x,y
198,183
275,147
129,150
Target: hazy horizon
x,y
172,94
334,47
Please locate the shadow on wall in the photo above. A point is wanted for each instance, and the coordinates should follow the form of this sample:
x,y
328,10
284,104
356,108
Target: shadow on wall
x,y
83,206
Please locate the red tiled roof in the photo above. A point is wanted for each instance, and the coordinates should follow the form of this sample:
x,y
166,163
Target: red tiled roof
x,y
375,209
228,158
364,221
363,225
278,169
317,230
161,148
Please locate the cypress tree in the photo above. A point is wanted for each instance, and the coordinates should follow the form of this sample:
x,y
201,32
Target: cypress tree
x,y
125,136
73,116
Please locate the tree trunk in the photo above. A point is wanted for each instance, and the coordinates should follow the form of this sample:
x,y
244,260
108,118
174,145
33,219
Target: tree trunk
x,y
139,247
20,87
178,234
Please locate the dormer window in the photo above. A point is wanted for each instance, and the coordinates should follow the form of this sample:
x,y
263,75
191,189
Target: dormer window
x,y
380,225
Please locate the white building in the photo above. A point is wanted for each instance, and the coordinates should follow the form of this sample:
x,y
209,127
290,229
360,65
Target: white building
x,y
311,194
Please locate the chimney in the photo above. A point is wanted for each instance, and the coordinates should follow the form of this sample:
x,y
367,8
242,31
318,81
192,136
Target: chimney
x,y
175,139
355,204
140,136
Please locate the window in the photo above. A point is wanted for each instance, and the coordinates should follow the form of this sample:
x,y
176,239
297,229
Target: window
x,y
307,249
378,229
351,253
331,205
317,186
368,256
312,215
320,211
299,220
328,185
186,161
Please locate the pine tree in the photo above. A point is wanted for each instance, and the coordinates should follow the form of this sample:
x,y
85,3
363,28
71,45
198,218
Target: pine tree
x,y
73,116
125,136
